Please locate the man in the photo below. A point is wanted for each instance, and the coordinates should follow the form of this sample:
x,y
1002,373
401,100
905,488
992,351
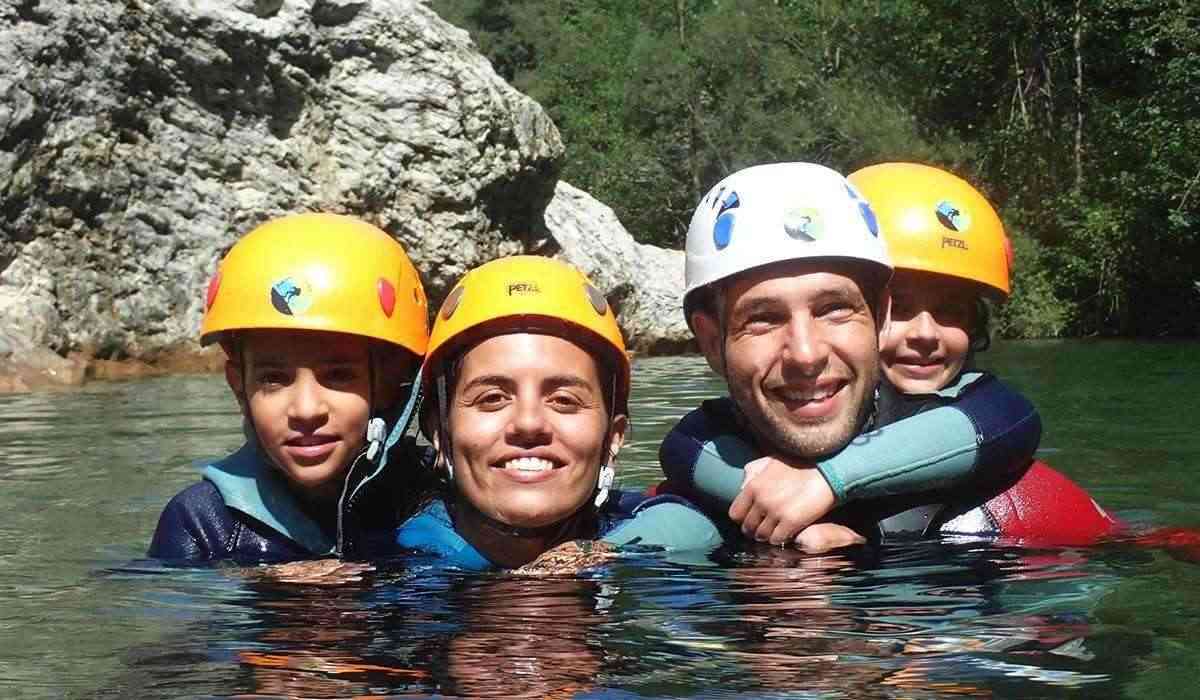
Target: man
x,y
786,292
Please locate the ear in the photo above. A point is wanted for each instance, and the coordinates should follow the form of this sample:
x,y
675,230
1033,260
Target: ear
x,y
617,430
233,377
709,337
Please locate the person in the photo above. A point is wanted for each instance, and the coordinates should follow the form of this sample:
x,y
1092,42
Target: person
x,y
323,322
528,385
787,283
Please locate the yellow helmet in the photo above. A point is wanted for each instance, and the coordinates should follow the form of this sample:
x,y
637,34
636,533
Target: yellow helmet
x,y
933,221
322,272
529,293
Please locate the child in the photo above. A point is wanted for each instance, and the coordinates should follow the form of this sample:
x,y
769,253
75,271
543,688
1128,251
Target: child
x,y
323,322
948,429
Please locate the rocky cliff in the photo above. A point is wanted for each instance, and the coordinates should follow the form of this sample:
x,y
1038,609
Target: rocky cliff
x,y
139,138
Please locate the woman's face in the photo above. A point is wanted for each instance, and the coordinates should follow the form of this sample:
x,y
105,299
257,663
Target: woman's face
x,y
927,340
527,426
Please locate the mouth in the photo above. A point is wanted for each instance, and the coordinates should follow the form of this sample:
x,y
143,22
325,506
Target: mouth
x,y
528,469
812,402
920,366
311,448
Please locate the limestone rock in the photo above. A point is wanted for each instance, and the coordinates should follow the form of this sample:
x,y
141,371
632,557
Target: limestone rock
x,y
139,138
644,283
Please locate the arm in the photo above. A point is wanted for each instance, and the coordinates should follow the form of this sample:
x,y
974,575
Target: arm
x,y
987,434
668,523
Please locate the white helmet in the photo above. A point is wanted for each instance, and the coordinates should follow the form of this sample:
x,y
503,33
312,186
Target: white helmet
x,y
780,211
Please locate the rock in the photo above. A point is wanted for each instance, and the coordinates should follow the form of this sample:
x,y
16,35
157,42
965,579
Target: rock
x,y
644,283
139,139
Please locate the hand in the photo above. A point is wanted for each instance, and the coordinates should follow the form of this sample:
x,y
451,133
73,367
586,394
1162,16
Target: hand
x,y
823,537
778,500
569,558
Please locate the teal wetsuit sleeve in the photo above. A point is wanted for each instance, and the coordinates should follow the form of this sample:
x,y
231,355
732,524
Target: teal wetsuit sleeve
x,y
988,433
669,525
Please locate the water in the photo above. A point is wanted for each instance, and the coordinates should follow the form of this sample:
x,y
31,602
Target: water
x,y
83,475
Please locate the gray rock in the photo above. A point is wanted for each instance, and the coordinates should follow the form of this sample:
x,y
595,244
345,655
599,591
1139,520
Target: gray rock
x,y
139,138
642,282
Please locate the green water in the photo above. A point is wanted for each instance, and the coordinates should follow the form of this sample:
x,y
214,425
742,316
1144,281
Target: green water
x,y
85,473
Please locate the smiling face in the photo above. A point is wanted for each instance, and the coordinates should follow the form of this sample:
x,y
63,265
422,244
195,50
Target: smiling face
x,y
307,396
800,353
928,339
527,422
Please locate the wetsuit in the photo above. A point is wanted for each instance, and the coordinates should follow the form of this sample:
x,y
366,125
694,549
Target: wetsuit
x,y
952,462
245,511
627,519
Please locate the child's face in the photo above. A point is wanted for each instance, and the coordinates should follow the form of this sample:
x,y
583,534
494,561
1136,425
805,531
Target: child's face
x,y
308,397
926,343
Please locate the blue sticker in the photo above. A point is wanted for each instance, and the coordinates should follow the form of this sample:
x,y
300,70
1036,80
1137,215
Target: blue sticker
x,y
952,217
291,296
864,209
723,228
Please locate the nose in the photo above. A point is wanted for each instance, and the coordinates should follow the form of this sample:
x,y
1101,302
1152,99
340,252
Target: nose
x,y
806,350
528,424
923,330
307,403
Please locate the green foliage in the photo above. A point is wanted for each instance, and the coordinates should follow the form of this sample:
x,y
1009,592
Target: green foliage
x,y
1098,172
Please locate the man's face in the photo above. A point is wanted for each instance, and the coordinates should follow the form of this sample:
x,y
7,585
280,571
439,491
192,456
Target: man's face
x,y
801,353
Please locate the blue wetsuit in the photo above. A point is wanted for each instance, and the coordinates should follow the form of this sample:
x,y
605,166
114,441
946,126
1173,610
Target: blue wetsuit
x,y
627,519
977,435
244,510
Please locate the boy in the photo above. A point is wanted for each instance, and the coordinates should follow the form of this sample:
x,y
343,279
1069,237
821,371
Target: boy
x,y
323,322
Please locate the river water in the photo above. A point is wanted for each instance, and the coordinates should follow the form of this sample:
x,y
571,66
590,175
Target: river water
x,y
83,475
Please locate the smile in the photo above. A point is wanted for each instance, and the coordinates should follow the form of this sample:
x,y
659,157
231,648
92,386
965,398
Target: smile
x,y
528,464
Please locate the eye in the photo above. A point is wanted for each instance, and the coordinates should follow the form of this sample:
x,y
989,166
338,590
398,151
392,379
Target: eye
x,y
271,378
837,311
490,400
953,313
345,374
565,402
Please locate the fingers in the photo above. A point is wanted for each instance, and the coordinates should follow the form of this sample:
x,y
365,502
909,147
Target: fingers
x,y
824,537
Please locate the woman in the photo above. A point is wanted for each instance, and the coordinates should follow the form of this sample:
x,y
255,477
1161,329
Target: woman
x,y
528,384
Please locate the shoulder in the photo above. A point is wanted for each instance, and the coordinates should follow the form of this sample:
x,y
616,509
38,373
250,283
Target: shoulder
x,y
195,524
431,532
664,522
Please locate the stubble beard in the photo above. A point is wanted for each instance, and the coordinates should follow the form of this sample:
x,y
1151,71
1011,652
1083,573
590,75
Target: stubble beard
x,y
807,441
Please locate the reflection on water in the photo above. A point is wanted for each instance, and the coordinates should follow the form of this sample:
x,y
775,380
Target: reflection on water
x,y
85,474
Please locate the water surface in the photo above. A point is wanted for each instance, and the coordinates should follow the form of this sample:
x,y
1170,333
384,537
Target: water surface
x,y
85,473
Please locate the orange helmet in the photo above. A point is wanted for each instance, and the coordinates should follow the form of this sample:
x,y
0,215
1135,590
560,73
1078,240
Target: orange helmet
x,y
529,293
321,272
933,221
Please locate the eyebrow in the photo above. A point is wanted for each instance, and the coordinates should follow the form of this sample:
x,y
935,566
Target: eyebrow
x,y
555,381
278,361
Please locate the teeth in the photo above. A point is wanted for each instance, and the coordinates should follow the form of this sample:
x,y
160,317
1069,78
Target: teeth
x,y
806,396
529,464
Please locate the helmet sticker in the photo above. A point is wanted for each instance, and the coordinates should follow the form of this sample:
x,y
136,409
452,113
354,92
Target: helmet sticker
x,y
291,296
387,296
723,228
450,305
213,285
865,210
952,216
803,223
599,303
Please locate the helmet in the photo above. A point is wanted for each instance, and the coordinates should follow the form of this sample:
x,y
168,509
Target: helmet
x,y
528,293
933,221
322,272
772,213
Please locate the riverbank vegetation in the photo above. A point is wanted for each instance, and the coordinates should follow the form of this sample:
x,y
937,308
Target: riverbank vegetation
x,y
1079,119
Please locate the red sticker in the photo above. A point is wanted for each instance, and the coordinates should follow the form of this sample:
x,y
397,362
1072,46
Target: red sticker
x,y
387,297
213,285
